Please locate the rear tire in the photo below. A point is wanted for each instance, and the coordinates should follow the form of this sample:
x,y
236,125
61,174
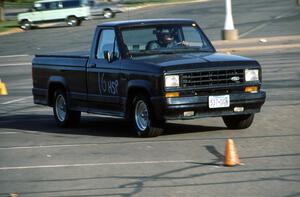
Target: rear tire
x,y
108,14
63,116
143,120
73,21
25,25
238,121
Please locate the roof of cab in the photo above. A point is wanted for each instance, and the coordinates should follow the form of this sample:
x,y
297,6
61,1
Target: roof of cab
x,y
146,22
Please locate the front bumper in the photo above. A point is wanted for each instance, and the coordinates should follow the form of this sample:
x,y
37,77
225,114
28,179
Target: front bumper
x,y
174,108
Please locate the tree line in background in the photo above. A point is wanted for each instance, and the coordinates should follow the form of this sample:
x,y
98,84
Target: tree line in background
x,y
2,17
3,2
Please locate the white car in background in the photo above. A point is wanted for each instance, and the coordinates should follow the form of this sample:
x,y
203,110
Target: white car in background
x,y
45,11
105,9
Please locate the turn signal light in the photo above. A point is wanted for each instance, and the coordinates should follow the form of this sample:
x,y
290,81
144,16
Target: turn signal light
x,y
251,89
172,94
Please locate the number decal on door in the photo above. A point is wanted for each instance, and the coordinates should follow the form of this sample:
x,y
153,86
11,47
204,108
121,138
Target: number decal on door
x,y
107,87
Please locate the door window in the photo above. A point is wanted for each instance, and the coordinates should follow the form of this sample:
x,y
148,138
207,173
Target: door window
x,y
53,5
107,42
40,6
71,4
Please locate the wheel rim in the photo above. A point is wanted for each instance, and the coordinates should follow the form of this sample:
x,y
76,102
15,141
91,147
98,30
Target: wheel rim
x,y
60,108
107,14
141,115
25,25
72,22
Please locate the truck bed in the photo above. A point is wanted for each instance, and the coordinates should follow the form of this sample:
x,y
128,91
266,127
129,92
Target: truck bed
x,y
68,69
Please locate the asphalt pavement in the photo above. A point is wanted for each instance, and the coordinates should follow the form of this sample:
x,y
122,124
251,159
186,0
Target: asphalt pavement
x,y
102,158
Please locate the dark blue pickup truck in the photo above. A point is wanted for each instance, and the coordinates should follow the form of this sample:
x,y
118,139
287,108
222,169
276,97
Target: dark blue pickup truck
x,y
150,71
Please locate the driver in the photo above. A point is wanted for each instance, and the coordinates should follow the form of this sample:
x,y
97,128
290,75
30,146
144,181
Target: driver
x,y
164,40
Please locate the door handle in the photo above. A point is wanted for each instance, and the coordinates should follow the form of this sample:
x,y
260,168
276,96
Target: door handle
x,y
92,65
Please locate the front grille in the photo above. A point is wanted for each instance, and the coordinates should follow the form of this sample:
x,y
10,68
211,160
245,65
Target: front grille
x,y
212,78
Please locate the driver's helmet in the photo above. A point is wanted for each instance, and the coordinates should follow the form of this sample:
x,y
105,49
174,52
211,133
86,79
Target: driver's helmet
x,y
164,37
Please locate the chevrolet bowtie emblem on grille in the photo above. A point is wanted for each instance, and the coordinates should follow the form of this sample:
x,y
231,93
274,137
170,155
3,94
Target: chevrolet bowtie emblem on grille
x,y
235,78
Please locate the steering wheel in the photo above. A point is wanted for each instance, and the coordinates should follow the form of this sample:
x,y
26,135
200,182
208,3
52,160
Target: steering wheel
x,y
152,45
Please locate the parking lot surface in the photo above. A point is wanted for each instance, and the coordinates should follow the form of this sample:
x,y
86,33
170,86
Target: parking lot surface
x,y
103,158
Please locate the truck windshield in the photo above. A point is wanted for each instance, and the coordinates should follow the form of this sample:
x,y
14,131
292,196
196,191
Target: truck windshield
x,y
164,39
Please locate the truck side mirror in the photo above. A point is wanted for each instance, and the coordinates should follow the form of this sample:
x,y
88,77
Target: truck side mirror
x,y
107,56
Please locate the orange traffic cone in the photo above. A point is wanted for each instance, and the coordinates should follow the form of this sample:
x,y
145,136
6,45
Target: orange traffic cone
x,y
231,155
3,90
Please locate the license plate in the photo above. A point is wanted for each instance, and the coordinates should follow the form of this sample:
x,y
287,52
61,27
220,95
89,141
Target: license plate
x,y
218,101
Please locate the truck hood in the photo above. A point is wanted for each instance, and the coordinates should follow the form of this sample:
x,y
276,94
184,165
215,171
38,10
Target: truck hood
x,y
184,61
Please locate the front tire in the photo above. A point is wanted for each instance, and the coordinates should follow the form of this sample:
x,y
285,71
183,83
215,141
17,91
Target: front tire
x,y
238,121
143,120
25,25
63,116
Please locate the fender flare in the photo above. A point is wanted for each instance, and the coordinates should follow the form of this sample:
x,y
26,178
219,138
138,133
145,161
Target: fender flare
x,y
140,84
57,80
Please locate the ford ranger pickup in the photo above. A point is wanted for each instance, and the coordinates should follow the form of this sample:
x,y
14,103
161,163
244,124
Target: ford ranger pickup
x,y
147,72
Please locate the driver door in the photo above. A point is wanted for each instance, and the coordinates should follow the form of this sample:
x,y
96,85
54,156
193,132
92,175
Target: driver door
x,y
103,76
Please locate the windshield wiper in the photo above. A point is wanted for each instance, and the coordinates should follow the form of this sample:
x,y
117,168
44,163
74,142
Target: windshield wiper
x,y
169,51
152,52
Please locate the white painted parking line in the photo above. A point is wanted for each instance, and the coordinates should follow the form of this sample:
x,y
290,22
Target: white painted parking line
x,y
81,145
262,25
130,142
16,100
254,29
95,164
281,16
16,64
9,56
71,145
7,133
50,146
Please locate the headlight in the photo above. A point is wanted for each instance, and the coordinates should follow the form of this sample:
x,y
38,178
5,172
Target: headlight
x,y
252,75
171,81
